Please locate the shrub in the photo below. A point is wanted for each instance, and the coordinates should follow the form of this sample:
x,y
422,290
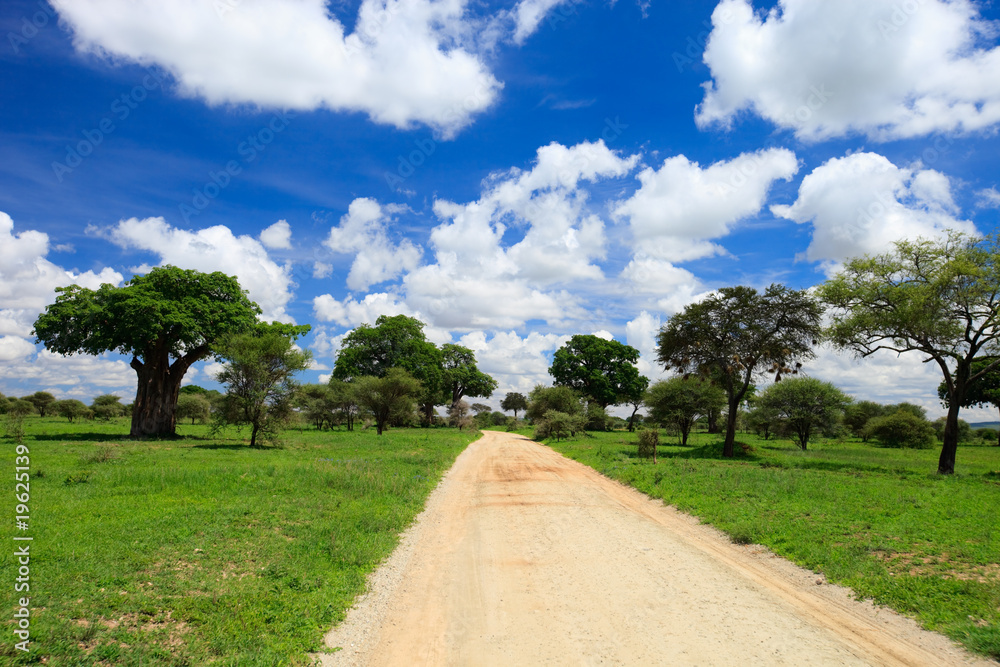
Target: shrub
x,y
902,429
648,441
964,430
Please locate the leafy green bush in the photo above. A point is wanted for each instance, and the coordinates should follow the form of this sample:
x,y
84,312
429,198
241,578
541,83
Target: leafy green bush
x,y
902,429
648,441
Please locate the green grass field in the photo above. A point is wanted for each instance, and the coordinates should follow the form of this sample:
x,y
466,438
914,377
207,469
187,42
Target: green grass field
x,y
201,550
878,520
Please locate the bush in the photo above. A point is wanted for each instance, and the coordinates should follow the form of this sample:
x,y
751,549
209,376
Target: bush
x,y
964,430
597,418
987,435
902,429
558,425
648,441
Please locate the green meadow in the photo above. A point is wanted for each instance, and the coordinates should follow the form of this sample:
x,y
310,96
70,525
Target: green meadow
x,y
880,521
201,550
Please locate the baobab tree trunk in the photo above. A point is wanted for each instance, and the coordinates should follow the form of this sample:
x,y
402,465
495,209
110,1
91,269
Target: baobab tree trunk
x,y
154,410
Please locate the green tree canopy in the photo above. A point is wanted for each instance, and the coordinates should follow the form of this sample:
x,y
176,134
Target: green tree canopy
x,y
107,407
738,334
937,297
389,397
558,399
394,342
165,320
804,405
70,408
602,370
194,406
41,400
681,402
859,413
514,402
461,376
258,374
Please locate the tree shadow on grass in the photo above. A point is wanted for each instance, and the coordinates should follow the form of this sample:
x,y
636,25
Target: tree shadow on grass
x,y
711,451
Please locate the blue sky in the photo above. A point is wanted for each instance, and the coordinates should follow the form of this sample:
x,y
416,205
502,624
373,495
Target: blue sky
x,y
509,173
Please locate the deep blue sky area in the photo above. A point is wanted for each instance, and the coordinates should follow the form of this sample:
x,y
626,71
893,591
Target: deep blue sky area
x,y
509,173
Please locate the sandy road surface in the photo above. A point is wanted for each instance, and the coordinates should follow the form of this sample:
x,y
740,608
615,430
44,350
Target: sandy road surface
x,y
524,557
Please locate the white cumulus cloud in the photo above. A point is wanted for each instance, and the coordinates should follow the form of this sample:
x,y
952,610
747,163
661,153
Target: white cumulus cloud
x,y
888,69
214,249
278,236
363,232
406,61
862,203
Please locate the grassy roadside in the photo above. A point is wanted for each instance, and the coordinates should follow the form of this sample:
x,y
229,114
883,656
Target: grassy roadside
x,y
201,550
880,521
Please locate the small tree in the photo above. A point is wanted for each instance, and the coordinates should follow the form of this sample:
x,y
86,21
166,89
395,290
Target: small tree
x,y
514,401
458,415
858,414
193,406
762,420
345,401
258,372
737,335
648,441
70,408
107,407
560,399
389,397
804,405
41,400
680,403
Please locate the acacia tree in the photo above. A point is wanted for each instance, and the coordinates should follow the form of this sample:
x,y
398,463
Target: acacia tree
x,y
41,400
738,334
387,397
985,390
937,297
681,402
394,342
602,370
461,377
166,320
803,405
258,374
514,401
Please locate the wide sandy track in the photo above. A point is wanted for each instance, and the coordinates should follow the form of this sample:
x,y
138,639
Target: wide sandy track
x,y
524,557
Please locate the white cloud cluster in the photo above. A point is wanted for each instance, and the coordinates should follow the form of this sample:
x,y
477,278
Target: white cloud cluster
x,y
478,281
278,236
28,280
862,203
682,206
406,61
214,249
518,364
888,69
363,232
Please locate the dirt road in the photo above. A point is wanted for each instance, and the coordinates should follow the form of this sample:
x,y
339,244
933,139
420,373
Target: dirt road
x,y
524,557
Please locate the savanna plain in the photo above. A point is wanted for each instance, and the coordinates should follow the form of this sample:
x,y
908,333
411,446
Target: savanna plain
x,y
202,550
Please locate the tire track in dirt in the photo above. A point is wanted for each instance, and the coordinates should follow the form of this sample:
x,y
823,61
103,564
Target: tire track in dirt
x,y
524,557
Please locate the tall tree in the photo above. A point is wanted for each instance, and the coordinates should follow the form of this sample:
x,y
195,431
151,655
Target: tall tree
x,y
937,297
679,402
985,390
804,405
634,394
602,370
394,342
258,373
738,334
166,320
462,377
